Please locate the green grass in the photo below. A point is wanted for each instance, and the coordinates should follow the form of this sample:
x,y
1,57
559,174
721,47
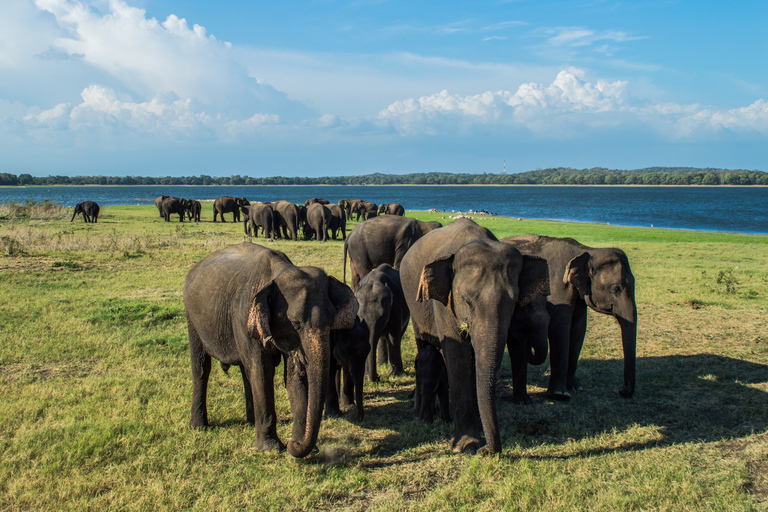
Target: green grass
x,y
94,372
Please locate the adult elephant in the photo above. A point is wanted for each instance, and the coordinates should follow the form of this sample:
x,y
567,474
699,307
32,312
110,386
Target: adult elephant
x,y
175,205
194,208
383,309
259,215
381,240
348,204
89,209
462,285
364,209
267,308
581,277
287,219
159,204
316,222
228,204
391,209
338,221
349,348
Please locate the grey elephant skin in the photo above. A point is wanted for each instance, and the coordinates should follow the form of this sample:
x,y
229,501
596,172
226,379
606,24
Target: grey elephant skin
x,y
349,348
380,240
462,285
317,218
391,209
194,209
159,204
431,384
258,215
89,209
338,221
383,308
177,205
247,305
287,219
582,277
228,204
364,209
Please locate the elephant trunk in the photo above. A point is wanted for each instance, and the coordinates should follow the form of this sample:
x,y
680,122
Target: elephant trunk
x,y
358,377
627,318
318,361
537,349
489,350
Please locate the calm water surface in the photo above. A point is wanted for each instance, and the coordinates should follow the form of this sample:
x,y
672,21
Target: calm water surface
x,y
728,209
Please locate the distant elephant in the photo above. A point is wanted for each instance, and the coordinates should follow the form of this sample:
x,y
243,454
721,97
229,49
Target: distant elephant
x,y
259,215
174,205
316,222
268,308
89,209
316,200
381,240
364,209
348,205
159,204
383,308
581,276
431,384
338,221
227,204
349,348
462,286
391,209
194,208
287,219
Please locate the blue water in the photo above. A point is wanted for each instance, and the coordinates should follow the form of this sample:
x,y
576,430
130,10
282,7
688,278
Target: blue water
x,y
726,209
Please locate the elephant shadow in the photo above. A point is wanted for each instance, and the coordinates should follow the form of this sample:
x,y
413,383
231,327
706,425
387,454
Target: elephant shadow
x,y
679,398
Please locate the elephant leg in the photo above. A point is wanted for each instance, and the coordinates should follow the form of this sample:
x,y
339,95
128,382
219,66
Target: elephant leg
x,y
347,396
575,343
559,343
460,363
394,356
248,397
261,372
382,353
332,408
201,369
442,395
519,365
370,363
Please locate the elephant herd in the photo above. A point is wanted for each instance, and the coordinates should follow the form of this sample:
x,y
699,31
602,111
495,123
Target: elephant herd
x,y
467,295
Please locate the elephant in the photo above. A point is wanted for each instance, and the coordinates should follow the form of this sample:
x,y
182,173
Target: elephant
x,y
350,349
383,308
227,204
89,209
380,240
431,384
194,208
338,221
247,305
159,204
582,277
391,209
174,205
287,218
364,209
316,221
259,215
348,204
316,200
462,285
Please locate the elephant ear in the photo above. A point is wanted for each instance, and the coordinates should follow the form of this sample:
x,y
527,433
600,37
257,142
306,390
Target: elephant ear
x,y
436,281
577,274
258,317
343,299
534,279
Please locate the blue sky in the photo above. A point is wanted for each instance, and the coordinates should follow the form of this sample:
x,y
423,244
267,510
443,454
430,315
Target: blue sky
x,y
311,88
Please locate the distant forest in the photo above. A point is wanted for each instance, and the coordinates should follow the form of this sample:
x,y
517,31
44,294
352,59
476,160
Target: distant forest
x,y
554,176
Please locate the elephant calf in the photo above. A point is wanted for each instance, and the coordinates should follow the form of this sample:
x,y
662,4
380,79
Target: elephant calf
x,y
350,350
431,384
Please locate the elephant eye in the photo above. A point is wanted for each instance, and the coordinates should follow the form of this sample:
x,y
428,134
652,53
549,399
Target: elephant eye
x,y
616,289
469,302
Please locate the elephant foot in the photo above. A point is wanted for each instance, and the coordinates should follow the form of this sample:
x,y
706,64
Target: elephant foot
x,y
562,396
198,424
466,444
521,399
395,371
331,412
270,445
626,392
573,384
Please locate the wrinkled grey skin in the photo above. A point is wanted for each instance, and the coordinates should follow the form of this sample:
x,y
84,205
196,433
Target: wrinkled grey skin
x,y
349,348
391,209
258,215
247,305
159,204
287,219
462,285
380,240
338,221
228,204
194,208
364,209
383,308
89,209
175,205
316,221
431,384
582,277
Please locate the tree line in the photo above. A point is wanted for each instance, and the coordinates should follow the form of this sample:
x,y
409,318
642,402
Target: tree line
x,y
551,176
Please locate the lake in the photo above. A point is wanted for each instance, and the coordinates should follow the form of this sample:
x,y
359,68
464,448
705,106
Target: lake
x,y
725,209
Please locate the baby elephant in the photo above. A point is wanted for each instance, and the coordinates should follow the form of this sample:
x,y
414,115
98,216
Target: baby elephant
x,y
349,348
89,209
431,383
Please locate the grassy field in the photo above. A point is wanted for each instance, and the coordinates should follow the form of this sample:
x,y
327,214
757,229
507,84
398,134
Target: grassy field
x,y
95,379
